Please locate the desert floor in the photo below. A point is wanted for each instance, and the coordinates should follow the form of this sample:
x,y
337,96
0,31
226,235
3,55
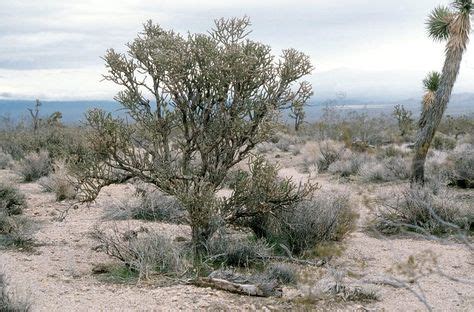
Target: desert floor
x,y
57,275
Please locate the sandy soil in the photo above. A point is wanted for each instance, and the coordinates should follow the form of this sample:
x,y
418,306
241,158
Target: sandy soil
x,y
57,276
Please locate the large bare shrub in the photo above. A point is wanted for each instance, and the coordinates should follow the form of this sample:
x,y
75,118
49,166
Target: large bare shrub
x,y
212,98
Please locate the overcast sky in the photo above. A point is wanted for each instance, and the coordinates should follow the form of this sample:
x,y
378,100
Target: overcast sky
x,y
51,49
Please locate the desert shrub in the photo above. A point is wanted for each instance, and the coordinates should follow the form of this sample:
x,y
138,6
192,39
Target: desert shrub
x,y
389,169
231,250
59,183
329,153
156,206
428,210
5,160
35,166
9,300
283,273
390,151
260,194
16,232
443,142
149,205
350,164
142,251
462,168
12,201
327,217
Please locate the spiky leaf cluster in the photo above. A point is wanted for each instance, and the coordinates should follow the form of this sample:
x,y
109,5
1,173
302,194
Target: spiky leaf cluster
x,y
438,23
431,82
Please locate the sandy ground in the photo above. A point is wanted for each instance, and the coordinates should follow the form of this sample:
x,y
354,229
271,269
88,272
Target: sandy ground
x,y
57,276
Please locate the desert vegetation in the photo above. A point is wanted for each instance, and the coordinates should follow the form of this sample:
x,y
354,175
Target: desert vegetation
x,y
204,184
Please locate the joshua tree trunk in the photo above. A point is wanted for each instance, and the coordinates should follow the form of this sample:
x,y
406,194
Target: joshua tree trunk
x,y
435,113
453,24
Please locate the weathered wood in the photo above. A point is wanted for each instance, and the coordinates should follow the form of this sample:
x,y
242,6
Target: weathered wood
x,y
271,289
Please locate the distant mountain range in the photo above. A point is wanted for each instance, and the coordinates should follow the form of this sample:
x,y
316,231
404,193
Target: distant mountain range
x,y
73,111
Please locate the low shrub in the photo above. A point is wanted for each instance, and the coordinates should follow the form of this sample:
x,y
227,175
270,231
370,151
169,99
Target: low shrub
x,y
35,166
59,183
142,251
327,217
389,169
443,142
282,273
149,205
350,164
427,210
329,153
12,201
5,160
462,174
229,250
9,300
16,232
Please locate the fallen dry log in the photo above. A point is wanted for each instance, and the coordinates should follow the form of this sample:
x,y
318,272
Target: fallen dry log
x,y
271,289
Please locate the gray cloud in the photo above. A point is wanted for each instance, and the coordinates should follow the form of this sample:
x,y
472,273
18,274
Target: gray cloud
x,y
363,36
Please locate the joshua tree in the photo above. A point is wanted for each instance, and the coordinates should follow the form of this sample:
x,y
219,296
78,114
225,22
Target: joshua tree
x,y
35,116
403,116
453,25
198,104
297,106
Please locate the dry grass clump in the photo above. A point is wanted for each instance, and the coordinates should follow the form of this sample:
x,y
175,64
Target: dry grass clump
x,y
59,183
282,273
443,142
329,153
6,160
327,217
389,169
35,166
462,172
349,164
148,205
335,285
12,201
237,251
9,300
142,251
16,232
427,210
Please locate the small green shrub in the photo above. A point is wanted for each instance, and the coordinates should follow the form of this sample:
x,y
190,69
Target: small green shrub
x,y
12,201
35,166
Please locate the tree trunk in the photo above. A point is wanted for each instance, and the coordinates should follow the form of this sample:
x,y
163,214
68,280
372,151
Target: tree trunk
x,y
435,112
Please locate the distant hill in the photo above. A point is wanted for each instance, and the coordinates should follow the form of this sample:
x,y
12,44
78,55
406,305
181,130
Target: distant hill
x,y
73,111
